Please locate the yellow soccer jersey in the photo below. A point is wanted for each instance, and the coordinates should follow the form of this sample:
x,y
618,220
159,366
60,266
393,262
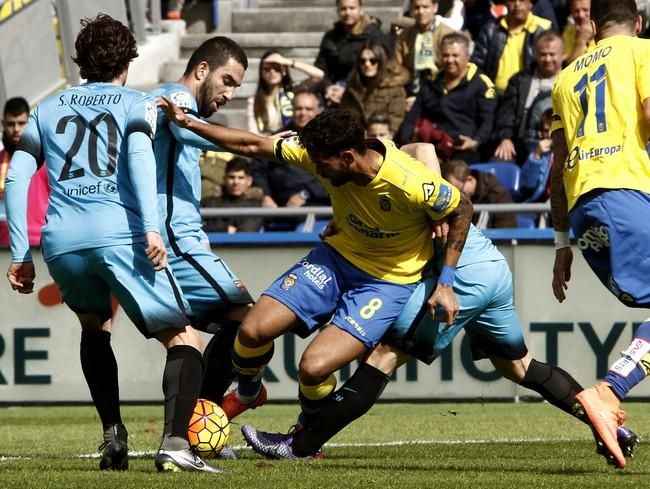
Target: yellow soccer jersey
x,y
598,101
383,228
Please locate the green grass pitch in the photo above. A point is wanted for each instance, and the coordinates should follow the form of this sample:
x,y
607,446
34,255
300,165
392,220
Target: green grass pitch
x,y
470,445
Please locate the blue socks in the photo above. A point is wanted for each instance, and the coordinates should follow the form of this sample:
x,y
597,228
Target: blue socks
x,y
633,366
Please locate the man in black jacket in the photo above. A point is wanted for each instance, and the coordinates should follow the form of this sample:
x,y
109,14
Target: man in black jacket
x,y
527,97
340,46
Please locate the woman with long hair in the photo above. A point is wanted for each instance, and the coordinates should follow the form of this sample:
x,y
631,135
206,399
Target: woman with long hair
x,y
371,87
270,108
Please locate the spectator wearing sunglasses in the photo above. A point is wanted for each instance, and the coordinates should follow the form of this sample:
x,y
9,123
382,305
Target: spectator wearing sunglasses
x,y
371,88
270,108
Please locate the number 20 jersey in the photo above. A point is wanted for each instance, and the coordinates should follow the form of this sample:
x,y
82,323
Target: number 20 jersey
x,y
598,101
82,134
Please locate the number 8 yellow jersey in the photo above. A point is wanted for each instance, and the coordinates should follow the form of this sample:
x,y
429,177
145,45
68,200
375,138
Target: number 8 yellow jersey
x,y
383,228
598,101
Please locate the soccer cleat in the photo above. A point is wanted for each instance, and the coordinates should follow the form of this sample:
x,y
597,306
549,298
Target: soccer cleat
x,y
114,448
233,407
601,406
274,445
227,452
183,461
628,440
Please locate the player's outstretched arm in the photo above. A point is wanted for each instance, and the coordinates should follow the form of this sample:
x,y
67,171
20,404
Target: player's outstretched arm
x,y
236,141
560,216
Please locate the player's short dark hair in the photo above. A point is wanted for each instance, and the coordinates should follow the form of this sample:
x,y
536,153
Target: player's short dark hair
x,y
456,37
105,47
339,1
15,106
334,131
216,52
605,12
238,164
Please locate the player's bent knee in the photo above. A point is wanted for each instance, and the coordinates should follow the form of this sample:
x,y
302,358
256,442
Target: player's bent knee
x,y
314,370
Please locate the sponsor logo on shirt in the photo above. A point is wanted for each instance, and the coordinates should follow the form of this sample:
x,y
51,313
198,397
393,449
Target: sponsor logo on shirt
x,y
150,115
182,99
444,197
428,189
96,188
315,274
359,226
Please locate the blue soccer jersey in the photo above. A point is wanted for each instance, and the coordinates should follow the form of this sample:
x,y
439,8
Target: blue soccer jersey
x,y
95,140
179,175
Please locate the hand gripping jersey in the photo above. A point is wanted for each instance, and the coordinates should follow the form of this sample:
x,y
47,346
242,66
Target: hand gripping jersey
x,y
383,228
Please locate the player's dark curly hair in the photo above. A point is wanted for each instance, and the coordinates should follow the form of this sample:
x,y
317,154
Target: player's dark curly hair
x,y
332,132
105,47
216,52
605,12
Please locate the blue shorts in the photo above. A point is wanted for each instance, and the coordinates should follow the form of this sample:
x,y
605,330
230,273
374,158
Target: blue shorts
x,y
613,232
484,294
87,278
325,287
207,283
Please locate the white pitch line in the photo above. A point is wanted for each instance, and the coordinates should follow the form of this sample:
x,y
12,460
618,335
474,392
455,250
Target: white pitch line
x,y
396,443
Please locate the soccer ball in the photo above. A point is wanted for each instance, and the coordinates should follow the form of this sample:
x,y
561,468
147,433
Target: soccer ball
x,y
208,430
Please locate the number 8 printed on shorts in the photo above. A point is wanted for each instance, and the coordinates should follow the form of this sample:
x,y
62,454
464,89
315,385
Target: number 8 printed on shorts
x,y
371,308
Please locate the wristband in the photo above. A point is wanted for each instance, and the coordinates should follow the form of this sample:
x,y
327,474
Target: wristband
x,y
561,240
447,275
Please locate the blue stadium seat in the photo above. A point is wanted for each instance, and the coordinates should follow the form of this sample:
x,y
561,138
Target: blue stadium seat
x,y
507,173
526,221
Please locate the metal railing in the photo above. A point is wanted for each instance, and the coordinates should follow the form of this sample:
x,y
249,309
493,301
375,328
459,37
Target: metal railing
x,y
312,213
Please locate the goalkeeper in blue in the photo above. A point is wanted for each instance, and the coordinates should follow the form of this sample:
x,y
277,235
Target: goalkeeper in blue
x,y
102,235
483,286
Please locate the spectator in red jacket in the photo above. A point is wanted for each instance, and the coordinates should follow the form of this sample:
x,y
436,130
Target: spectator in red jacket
x,y
14,122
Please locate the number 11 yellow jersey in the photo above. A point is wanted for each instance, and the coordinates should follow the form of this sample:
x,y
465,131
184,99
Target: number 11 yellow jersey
x,y
598,101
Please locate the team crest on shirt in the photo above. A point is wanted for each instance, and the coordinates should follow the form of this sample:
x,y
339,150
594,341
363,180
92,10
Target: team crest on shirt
x,y
428,189
292,140
444,196
289,281
384,203
182,99
150,115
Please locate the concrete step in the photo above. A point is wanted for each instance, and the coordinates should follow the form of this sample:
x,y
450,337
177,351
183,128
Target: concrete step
x,y
325,3
291,44
299,19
